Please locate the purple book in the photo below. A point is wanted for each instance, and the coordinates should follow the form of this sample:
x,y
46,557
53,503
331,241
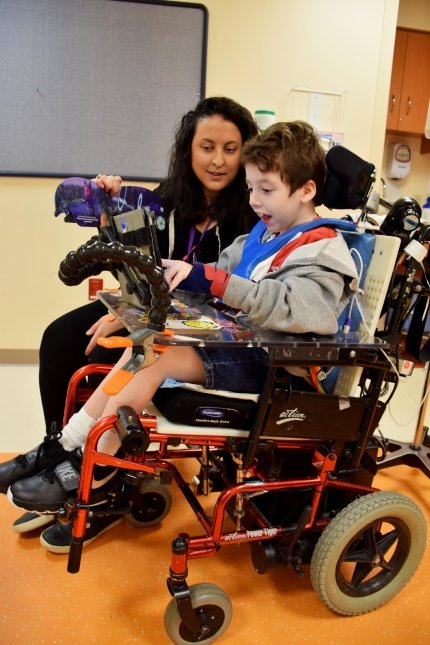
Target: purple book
x,y
83,202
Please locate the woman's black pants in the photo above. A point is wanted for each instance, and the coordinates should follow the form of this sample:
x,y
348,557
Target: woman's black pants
x,y
62,352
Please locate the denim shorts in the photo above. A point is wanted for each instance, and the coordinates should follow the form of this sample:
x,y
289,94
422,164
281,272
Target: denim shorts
x,y
235,369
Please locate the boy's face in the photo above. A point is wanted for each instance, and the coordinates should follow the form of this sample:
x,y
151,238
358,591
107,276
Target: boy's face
x,y
273,202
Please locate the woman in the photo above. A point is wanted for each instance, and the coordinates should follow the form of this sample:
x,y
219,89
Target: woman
x,y
206,199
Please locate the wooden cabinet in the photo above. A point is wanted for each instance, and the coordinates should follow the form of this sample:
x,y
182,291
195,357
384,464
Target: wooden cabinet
x,y
410,82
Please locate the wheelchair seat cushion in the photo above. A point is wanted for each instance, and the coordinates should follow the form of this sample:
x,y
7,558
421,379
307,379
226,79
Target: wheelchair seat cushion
x,y
182,405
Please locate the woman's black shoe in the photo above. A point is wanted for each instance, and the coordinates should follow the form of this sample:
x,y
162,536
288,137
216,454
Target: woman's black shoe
x,y
47,455
47,491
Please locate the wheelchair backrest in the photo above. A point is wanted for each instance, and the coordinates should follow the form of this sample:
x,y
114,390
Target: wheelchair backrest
x,y
375,287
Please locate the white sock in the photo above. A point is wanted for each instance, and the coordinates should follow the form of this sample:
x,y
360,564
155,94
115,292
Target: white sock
x,y
75,432
108,443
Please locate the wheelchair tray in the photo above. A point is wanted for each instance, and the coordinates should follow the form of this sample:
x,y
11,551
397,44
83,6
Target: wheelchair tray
x,y
300,349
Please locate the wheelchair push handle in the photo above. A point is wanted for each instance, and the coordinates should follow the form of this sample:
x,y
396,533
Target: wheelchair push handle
x,y
99,256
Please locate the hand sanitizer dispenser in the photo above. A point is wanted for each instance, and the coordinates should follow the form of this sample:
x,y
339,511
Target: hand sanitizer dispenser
x,y
398,160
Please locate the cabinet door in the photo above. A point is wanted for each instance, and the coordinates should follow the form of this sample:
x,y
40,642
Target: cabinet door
x,y
415,94
397,80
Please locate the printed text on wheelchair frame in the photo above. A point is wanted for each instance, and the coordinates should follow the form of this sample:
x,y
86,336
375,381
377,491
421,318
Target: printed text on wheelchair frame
x,y
290,415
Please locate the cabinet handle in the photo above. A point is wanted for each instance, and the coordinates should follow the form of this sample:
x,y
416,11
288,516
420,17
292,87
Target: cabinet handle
x,y
408,109
393,102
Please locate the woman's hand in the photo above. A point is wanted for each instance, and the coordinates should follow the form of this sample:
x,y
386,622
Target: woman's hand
x,y
111,184
105,326
176,271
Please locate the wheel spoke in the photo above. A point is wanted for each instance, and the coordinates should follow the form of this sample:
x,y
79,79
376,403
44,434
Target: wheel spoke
x,y
386,541
361,571
368,554
365,550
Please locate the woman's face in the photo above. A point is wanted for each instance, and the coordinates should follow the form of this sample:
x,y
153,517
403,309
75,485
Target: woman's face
x,y
215,153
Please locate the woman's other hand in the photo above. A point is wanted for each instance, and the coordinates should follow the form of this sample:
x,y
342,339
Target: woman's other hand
x,y
175,272
111,184
105,326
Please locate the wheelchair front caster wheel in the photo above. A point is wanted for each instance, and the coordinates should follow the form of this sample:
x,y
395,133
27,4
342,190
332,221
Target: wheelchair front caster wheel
x,y
368,553
212,606
154,504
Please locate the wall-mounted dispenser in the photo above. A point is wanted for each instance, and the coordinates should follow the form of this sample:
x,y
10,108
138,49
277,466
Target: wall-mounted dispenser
x,y
398,160
264,118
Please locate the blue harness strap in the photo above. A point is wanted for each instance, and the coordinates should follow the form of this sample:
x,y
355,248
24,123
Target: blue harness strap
x,y
361,246
256,251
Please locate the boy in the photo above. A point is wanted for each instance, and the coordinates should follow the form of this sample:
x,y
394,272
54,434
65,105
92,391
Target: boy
x,y
292,273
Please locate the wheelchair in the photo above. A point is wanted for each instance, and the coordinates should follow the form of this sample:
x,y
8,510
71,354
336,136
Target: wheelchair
x,y
292,472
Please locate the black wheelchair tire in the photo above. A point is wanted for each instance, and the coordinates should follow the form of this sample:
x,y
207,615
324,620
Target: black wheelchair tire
x,y
155,503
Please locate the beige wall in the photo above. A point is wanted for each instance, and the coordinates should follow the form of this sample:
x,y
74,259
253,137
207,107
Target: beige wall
x,y
257,53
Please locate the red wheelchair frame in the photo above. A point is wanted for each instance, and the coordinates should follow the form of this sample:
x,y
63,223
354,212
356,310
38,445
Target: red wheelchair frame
x,y
297,495
377,535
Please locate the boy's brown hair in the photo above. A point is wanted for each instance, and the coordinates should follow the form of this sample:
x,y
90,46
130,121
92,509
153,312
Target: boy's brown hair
x,y
294,150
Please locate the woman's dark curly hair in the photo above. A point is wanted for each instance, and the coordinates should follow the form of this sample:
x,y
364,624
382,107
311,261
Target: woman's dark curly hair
x,y
183,191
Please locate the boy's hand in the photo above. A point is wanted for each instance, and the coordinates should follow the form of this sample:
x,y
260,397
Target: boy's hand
x,y
176,271
197,277
111,184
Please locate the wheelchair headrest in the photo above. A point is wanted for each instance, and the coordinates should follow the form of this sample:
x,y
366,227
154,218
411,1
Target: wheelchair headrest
x,y
349,179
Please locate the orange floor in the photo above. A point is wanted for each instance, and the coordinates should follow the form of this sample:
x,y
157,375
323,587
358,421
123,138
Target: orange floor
x,y
120,595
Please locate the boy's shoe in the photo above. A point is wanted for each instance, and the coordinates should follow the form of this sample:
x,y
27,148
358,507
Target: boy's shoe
x,y
48,491
32,521
57,538
48,454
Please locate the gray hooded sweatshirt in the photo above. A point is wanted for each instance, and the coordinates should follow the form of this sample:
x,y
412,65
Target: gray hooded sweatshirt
x,y
306,294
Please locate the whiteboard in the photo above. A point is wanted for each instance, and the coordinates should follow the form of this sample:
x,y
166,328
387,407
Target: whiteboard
x,y
89,86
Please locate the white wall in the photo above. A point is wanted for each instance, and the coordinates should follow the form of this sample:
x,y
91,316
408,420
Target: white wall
x,y
257,53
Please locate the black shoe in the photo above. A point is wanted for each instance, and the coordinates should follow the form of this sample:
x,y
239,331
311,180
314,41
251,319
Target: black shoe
x,y
48,454
48,491
57,538
32,521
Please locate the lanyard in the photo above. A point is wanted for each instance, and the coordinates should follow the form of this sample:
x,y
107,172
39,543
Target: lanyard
x,y
193,247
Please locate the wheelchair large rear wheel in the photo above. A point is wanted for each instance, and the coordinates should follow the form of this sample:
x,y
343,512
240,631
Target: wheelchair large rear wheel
x,y
212,606
368,553
152,505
